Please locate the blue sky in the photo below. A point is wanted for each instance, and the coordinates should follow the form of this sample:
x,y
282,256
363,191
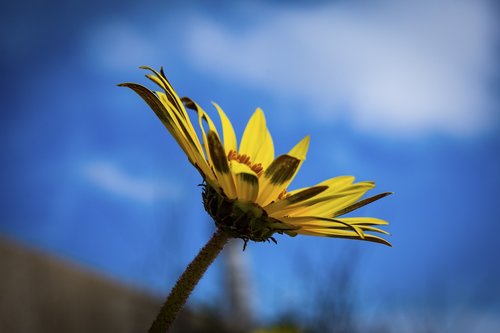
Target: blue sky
x,y
403,93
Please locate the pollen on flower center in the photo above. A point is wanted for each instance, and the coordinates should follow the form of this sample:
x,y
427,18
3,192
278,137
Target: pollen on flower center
x,y
245,159
283,195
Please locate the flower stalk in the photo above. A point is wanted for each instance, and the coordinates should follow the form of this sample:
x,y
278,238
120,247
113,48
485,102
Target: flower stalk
x,y
188,280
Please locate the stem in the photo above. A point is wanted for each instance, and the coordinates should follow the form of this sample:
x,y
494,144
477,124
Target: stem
x,y
188,280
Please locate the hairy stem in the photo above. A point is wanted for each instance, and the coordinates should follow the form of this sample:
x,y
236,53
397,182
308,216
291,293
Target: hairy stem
x,y
186,283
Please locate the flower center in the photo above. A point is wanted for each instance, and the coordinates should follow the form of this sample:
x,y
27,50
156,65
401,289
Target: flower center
x,y
245,159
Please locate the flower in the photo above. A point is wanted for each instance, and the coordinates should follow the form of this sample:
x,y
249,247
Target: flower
x,y
246,186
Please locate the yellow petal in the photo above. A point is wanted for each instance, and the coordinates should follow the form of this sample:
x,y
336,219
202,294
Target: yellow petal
x,y
336,234
157,80
176,110
221,165
363,220
281,172
311,222
184,125
254,135
190,104
162,81
246,181
230,142
295,198
276,178
373,229
279,169
186,129
202,116
174,101
300,149
265,156
328,205
187,140
359,204
334,184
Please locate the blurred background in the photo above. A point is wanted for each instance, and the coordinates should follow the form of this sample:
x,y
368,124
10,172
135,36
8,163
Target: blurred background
x,y
100,211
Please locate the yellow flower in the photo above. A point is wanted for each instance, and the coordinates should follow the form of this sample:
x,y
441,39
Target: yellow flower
x,y
246,186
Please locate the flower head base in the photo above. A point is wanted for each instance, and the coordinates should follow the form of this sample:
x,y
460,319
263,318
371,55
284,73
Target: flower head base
x,y
241,219
246,187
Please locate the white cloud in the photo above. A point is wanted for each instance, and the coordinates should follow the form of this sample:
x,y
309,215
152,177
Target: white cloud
x,y
395,67
109,177
119,46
